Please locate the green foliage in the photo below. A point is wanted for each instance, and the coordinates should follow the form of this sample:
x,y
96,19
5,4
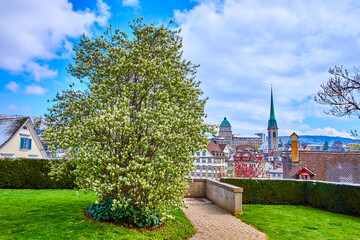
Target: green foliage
x,y
33,173
129,214
326,146
59,214
258,191
283,222
132,130
333,197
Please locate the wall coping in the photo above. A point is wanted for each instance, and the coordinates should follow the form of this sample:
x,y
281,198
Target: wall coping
x,y
298,180
198,179
226,186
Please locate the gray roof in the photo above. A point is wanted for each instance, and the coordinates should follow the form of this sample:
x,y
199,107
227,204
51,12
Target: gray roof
x,y
8,127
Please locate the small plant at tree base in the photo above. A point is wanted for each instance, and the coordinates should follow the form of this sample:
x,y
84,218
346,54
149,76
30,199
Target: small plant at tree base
x,y
132,130
104,211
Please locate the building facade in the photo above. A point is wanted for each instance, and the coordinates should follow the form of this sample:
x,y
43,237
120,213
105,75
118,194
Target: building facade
x,y
18,139
211,162
226,136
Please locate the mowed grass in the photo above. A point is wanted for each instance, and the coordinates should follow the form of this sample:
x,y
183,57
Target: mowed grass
x,y
285,222
59,214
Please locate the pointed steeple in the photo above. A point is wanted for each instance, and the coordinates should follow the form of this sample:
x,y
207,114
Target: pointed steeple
x,y
272,121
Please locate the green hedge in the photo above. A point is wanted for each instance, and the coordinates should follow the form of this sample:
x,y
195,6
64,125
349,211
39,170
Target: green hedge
x,y
333,197
32,174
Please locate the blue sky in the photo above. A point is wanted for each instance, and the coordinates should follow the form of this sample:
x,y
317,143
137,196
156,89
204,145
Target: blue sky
x,y
242,47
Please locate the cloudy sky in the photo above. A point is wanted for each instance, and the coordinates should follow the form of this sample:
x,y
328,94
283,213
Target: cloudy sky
x,y
242,47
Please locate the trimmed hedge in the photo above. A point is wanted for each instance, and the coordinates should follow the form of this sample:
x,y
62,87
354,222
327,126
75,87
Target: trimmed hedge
x,y
31,173
332,197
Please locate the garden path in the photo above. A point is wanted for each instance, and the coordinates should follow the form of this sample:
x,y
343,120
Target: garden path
x,y
213,222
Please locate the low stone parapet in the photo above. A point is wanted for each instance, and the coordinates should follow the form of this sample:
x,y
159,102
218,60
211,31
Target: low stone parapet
x,y
224,195
197,189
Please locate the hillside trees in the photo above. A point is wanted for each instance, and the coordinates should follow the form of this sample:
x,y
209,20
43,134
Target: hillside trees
x,y
132,130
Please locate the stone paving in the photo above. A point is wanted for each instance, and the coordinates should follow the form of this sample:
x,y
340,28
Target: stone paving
x,y
213,222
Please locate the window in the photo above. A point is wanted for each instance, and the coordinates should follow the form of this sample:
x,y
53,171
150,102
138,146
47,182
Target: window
x,y
274,134
198,160
198,153
304,177
203,174
204,153
209,160
25,127
204,160
25,143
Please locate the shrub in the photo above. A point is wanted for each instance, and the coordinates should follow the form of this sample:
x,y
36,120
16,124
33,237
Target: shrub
x,y
33,174
333,197
130,214
258,191
141,114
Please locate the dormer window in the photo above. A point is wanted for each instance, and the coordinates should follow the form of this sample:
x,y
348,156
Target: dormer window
x,y
25,143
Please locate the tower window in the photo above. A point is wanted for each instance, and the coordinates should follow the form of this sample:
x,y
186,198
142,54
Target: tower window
x,y
274,134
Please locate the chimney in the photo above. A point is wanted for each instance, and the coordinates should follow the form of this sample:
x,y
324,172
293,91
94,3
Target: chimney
x,y
294,148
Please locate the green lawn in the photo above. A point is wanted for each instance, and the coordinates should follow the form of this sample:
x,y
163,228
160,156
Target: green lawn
x,y
300,222
59,214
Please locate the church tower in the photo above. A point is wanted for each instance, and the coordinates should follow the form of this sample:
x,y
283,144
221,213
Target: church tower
x,y
272,128
225,131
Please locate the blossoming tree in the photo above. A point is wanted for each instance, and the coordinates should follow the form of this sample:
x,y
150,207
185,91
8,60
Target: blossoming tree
x,y
132,130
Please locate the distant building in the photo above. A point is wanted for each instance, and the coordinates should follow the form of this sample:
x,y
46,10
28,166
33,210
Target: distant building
x,y
226,136
252,140
354,147
276,173
328,166
18,139
314,147
225,132
273,137
211,162
249,161
262,136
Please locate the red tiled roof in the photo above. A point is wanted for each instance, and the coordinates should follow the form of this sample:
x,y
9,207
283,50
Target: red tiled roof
x,y
306,169
222,146
213,147
328,166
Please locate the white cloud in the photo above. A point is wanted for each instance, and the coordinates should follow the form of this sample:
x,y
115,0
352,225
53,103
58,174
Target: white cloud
x,y
34,31
17,108
12,86
35,89
327,131
130,3
245,46
38,72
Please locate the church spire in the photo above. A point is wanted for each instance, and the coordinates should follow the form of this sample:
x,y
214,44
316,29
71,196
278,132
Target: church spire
x,y
272,121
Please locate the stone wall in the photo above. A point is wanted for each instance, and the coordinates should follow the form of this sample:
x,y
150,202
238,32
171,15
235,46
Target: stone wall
x,y
197,189
224,195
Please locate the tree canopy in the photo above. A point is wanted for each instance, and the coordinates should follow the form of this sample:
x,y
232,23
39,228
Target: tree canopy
x,y
132,130
341,92
326,146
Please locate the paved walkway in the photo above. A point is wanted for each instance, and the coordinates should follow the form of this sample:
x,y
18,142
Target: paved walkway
x,y
213,222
